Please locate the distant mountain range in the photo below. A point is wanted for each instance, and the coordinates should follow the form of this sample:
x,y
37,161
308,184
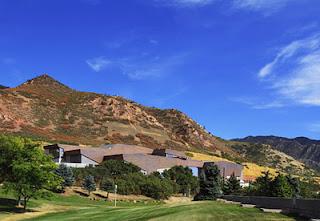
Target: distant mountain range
x,y
301,148
3,87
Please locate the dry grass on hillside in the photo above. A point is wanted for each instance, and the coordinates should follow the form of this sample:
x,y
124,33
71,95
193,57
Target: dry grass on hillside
x,y
250,172
205,157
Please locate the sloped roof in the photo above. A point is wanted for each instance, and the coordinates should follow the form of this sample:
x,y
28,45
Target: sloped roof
x,y
65,147
170,151
97,153
152,163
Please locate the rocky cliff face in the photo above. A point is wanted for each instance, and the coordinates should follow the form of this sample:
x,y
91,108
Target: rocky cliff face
x,y
301,148
45,108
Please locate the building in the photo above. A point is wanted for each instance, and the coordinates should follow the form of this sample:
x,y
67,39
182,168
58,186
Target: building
x,y
155,163
78,156
149,160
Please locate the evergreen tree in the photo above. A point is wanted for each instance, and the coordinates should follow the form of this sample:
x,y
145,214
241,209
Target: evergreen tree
x,y
281,187
89,184
295,186
210,183
232,186
263,185
66,174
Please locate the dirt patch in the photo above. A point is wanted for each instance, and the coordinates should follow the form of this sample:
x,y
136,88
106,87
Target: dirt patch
x,y
40,211
175,200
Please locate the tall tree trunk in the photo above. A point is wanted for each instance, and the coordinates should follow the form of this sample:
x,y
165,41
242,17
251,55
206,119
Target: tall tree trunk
x,y
25,201
19,201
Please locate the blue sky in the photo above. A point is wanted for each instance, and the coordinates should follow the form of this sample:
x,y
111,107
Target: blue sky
x,y
238,67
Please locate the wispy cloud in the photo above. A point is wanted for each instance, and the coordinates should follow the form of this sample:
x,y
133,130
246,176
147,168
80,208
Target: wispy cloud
x,y
140,67
265,6
256,103
99,63
150,67
184,3
294,73
8,61
314,127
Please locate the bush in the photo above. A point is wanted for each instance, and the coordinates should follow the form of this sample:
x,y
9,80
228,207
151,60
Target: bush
x,y
157,188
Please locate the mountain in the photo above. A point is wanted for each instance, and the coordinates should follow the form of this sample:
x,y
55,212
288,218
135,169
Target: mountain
x,y
304,149
47,109
3,87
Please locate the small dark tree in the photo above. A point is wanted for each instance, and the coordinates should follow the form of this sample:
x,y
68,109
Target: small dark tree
x,y
66,174
232,186
107,185
89,184
210,183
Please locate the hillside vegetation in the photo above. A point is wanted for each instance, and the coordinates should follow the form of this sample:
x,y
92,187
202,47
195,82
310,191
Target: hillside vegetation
x,y
46,109
304,149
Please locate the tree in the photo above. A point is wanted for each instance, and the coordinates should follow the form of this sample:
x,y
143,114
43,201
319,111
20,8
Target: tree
x,y
30,170
184,178
232,186
107,185
295,186
10,147
89,184
157,188
66,174
210,183
263,185
281,187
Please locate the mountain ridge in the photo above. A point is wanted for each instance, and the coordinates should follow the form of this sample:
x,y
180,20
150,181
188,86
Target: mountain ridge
x,y
43,107
302,148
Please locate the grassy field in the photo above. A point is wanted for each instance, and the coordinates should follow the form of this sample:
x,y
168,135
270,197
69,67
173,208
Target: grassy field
x,y
80,208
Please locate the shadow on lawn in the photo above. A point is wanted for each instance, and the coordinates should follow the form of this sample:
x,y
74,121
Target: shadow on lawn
x,y
296,216
10,206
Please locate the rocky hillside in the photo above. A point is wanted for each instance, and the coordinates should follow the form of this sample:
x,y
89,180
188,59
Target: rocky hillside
x,y
44,108
301,148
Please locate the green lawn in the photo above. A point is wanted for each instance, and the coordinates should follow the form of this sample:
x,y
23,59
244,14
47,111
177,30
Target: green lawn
x,y
79,208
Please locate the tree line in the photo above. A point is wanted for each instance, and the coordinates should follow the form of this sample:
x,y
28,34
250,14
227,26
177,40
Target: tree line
x,y
27,172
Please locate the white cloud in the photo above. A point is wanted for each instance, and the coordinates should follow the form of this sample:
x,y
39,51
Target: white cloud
x,y
99,63
294,73
304,46
265,6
